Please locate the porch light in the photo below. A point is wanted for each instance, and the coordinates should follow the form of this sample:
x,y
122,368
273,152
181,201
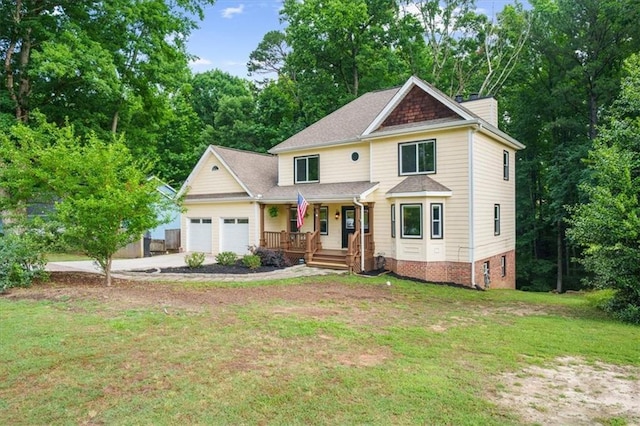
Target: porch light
x,y
337,214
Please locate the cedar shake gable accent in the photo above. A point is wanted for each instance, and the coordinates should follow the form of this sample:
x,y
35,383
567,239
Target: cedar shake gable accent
x,y
418,106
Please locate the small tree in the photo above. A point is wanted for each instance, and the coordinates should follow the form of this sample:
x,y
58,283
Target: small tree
x,y
102,199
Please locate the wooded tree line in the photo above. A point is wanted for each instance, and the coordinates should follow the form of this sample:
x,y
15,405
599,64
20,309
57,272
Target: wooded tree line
x,y
121,67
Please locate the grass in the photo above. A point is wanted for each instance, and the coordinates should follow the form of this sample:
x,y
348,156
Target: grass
x,y
423,355
65,257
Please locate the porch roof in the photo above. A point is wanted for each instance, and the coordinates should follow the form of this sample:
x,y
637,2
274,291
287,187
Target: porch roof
x,y
320,192
419,185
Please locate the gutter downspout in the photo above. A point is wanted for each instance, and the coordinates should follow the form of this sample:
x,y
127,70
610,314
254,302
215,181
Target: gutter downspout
x,y
355,201
471,208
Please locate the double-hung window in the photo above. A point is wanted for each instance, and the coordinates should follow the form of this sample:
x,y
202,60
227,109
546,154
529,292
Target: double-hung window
x,y
307,169
436,221
411,220
417,157
505,165
496,219
393,220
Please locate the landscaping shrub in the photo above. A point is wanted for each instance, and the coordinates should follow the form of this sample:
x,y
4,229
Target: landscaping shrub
x,y
195,259
251,261
226,258
270,257
21,261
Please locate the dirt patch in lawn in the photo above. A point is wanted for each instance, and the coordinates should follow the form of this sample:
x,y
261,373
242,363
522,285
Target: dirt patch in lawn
x,y
573,392
126,294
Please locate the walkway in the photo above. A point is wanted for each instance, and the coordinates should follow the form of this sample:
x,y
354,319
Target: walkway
x,y
125,269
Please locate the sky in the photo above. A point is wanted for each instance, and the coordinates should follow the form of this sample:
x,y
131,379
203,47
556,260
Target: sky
x,y
232,29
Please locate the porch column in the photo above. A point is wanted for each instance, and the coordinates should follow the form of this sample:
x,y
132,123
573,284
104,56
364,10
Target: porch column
x,y
316,224
357,209
263,241
372,240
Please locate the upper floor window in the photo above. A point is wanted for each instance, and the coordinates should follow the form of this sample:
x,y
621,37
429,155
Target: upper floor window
x,y
307,169
496,219
505,165
417,157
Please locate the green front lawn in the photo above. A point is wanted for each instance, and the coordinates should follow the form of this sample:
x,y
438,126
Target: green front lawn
x,y
363,353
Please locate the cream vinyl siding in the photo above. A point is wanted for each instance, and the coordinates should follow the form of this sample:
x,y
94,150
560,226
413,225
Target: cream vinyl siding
x,y
451,171
214,182
335,164
486,108
217,212
490,189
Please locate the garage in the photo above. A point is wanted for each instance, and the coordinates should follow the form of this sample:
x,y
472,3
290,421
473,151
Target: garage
x,y
199,238
234,235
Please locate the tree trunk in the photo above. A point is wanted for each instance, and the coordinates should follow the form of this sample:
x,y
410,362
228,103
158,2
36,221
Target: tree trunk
x,y
114,122
107,271
24,90
559,259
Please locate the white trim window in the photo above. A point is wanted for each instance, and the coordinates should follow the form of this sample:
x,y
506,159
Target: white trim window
x,y
505,165
411,220
393,220
437,228
503,266
496,219
417,157
307,169
324,220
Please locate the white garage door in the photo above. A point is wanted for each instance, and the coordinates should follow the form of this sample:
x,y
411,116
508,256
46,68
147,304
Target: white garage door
x,y
234,235
200,235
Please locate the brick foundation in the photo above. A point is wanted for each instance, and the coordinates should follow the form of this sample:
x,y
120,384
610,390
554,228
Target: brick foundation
x,y
458,272
495,272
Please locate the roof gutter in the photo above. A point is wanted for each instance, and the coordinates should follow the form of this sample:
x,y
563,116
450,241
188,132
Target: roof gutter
x,y
355,140
420,129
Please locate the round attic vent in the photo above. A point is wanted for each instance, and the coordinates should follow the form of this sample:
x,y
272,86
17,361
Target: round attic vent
x,y
355,156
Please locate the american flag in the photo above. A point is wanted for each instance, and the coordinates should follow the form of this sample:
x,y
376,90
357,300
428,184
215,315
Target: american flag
x,y
302,210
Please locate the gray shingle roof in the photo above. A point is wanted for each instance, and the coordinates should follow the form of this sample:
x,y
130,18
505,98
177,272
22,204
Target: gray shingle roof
x,y
319,191
344,124
258,172
418,183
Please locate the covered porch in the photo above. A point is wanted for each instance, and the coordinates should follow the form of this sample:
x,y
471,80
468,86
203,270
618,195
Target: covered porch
x,y
338,230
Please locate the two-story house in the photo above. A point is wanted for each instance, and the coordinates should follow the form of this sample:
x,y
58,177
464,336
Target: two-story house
x,y
407,177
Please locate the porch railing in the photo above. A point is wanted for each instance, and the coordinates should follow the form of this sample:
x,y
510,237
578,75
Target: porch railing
x,y
271,239
353,252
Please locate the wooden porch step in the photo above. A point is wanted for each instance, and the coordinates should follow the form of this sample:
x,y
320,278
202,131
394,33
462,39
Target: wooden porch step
x,y
328,265
330,259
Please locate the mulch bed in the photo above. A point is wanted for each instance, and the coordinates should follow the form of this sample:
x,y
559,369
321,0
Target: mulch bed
x,y
215,268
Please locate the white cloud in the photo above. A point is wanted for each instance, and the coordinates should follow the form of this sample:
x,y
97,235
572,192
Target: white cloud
x,y
200,62
229,12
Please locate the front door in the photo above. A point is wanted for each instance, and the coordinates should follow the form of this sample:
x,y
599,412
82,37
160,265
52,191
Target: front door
x,y
348,224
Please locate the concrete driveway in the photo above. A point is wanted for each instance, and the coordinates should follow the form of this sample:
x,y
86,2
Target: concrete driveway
x,y
162,261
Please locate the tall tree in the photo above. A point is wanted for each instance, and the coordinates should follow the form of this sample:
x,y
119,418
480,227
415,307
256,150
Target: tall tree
x,y
341,49
608,224
467,52
570,72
